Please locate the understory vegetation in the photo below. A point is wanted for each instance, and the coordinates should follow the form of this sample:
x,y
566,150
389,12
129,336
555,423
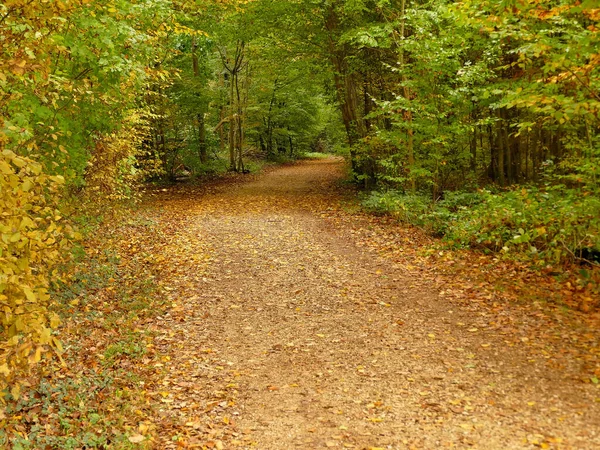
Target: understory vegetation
x,y
540,225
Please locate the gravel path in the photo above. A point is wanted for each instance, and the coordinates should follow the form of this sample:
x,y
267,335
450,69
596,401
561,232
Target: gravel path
x,y
285,332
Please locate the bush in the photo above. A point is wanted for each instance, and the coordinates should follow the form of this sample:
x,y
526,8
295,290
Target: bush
x,y
405,207
549,225
32,241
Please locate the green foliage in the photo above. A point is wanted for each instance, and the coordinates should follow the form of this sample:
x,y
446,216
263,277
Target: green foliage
x,y
437,101
72,116
94,399
80,421
543,226
315,155
549,225
406,208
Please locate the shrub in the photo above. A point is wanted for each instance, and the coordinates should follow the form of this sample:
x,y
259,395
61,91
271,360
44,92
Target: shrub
x,y
549,225
32,241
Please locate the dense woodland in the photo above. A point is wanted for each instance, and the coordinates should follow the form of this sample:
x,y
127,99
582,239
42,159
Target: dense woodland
x,y
476,120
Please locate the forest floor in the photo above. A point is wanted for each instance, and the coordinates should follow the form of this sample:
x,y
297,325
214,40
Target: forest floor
x,y
268,311
296,321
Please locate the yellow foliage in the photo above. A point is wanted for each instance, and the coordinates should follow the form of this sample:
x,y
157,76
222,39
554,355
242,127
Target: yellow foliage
x,y
33,239
113,170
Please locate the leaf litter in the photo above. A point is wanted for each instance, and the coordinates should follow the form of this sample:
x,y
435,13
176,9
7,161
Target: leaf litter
x,y
272,313
297,321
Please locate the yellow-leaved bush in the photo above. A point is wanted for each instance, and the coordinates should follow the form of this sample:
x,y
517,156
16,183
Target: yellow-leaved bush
x,y
33,240
114,168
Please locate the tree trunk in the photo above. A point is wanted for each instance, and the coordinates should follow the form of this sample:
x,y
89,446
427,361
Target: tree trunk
x,y
500,152
202,139
236,109
345,85
407,95
232,128
202,154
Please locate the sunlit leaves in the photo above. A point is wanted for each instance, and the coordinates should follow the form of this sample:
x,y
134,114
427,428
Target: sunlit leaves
x,y
33,238
72,74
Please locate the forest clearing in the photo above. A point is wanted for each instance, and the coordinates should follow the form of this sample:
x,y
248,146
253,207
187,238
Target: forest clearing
x,y
368,224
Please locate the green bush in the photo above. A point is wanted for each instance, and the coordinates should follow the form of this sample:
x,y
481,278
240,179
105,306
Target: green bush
x,y
405,207
549,225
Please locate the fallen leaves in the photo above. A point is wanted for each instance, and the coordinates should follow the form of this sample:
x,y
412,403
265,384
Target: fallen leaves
x,y
235,328
136,438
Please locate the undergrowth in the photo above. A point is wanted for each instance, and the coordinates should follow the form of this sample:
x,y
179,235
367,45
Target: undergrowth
x,y
315,155
95,397
546,226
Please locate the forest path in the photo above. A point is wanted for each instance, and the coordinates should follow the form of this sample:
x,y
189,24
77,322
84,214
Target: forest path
x,y
287,332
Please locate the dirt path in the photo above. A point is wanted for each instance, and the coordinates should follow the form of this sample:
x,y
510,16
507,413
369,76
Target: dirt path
x,y
286,332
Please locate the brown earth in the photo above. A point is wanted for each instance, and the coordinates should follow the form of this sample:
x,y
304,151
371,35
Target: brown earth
x,y
294,325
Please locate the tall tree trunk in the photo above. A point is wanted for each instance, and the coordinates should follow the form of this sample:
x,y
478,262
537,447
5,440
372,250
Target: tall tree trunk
x,y
261,142
506,147
346,87
473,145
232,127
240,128
500,152
202,139
407,95
236,109
269,120
493,171
221,129
202,154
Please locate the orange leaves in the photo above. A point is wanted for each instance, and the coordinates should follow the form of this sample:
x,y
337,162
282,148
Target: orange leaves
x,y
593,14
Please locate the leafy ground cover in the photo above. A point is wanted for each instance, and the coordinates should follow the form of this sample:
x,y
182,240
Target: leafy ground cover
x,y
95,397
269,311
551,230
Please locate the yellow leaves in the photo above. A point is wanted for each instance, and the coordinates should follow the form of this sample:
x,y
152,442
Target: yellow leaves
x,y
54,320
36,356
31,297
56,344
136,438
15,391
18,67
4,370
5,168
26,223
29,237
